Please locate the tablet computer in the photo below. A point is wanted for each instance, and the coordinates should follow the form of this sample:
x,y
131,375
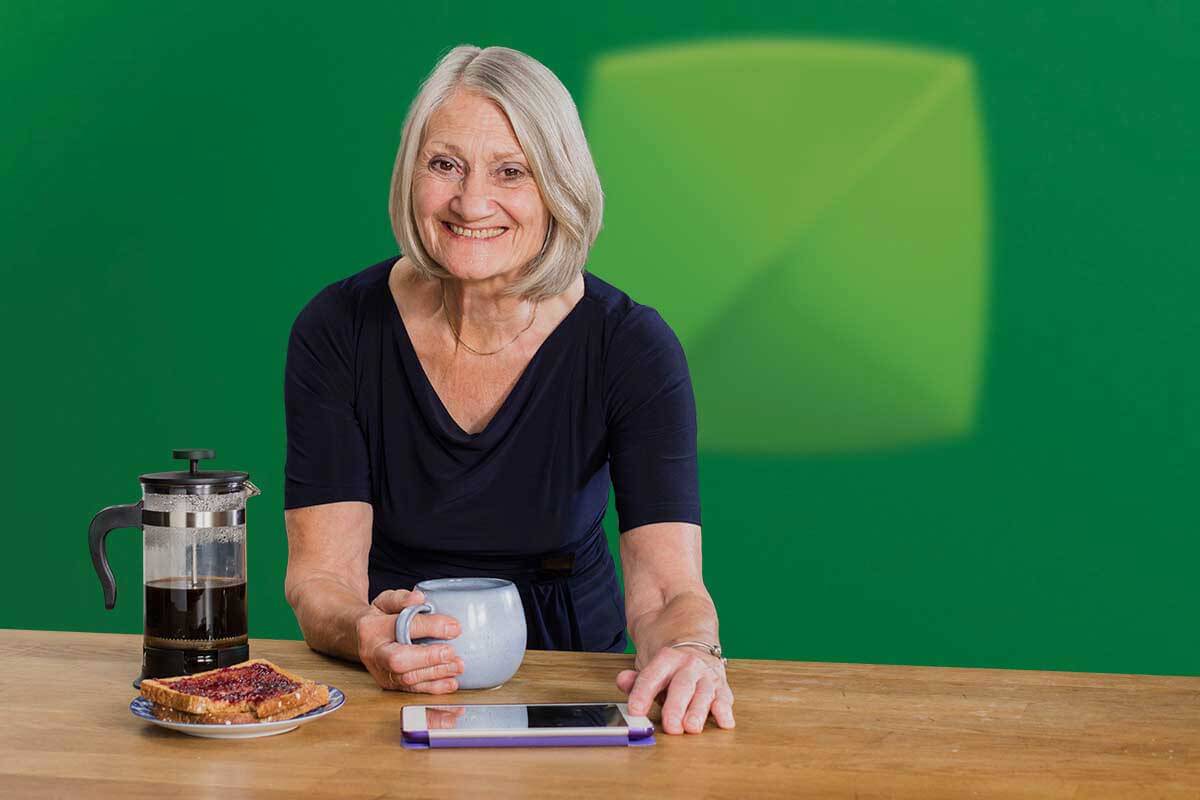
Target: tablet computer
x,y
524,725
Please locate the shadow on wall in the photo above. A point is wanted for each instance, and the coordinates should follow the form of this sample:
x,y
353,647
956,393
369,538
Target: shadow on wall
x,y
811,219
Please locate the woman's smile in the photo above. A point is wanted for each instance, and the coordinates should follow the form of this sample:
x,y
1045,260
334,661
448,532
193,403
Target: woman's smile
x,y
474,235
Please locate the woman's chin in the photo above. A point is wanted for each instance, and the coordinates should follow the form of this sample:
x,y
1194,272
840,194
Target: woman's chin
x,y
481,270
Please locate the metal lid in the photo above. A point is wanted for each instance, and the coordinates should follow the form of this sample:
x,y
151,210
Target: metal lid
x,y
194,481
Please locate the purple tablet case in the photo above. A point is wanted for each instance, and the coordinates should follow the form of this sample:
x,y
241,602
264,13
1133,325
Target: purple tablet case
x,y
422,742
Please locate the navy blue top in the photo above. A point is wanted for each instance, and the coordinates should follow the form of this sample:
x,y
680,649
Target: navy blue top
x,y
523,499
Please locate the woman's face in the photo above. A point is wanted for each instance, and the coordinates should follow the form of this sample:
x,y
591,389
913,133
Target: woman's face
x,y
479,212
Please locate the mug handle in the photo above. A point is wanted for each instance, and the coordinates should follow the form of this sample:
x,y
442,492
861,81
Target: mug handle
x,y
405,620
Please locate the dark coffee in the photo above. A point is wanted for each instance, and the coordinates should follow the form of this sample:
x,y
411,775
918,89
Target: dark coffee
x,y
204,614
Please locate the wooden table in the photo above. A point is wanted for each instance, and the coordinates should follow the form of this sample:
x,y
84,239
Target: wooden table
x,y
822,730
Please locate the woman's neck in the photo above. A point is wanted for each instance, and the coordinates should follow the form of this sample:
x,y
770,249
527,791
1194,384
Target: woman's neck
x,y
484,305
482,315
492,317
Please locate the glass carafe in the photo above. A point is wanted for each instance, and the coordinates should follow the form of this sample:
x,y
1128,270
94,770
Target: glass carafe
x,y
193,566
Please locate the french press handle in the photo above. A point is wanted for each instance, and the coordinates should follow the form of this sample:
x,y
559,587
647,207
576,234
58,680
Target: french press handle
x,y
109,519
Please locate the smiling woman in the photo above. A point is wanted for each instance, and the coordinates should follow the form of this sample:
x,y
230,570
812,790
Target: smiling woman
x,y
463,410
479,209
495,121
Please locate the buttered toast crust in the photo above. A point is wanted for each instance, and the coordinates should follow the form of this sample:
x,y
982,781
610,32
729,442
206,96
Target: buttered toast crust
x,y
162,693
308,692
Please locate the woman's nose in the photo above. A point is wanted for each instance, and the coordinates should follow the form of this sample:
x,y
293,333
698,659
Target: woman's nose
x,y
473,198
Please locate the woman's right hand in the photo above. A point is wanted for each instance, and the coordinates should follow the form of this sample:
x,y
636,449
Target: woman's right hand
x,y
429,669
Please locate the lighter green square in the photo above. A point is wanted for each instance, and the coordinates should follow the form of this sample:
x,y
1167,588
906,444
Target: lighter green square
x,y
810,217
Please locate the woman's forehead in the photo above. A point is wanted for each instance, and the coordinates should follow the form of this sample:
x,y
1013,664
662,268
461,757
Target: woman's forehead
x,y
469,122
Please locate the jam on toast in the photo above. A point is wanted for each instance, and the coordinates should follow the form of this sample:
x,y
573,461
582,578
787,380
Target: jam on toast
x,y
252,691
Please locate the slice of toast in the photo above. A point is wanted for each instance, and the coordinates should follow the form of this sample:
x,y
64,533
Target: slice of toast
x,y
256,686
316,700
308,693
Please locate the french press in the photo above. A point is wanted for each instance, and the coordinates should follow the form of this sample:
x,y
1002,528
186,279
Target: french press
x,y
193,565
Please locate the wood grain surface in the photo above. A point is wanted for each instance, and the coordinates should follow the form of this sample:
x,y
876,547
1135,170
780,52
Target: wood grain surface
x,y
819,730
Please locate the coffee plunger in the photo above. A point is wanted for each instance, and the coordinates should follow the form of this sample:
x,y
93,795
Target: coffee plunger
x,y
193,565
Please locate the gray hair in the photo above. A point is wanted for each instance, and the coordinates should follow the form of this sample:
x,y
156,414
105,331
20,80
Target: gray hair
x,y
546,122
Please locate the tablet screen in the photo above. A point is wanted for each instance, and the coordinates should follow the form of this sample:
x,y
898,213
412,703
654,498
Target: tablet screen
x,y
523,717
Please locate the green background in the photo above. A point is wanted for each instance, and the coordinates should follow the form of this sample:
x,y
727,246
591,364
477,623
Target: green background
x,y
176,183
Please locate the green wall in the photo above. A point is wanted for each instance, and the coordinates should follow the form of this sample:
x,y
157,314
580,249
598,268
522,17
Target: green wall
x,y
177,183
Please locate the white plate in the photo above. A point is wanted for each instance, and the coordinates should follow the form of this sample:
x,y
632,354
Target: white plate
x,y
142,708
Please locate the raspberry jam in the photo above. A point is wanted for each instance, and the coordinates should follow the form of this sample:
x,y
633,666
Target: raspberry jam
x,y
252,684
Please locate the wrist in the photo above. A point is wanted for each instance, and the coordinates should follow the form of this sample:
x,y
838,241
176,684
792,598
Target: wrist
x,y
711,651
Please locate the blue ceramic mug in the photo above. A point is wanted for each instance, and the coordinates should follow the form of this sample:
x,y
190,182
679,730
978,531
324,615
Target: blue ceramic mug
x,y
492,621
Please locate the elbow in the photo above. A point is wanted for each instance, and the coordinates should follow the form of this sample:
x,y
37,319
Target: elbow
x,y
292,591
309,630
296,590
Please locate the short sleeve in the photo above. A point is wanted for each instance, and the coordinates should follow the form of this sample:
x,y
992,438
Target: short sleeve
x,y
651,416
327,457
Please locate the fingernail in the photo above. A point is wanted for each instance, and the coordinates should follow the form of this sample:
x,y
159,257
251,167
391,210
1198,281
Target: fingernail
x,y
453,630
444,654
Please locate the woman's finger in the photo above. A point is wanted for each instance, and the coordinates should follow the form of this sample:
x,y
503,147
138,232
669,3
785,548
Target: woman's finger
x,y
697,710
393,601
401,658
433,626
650,681
625,679
427,674
722,712
679,695
443,686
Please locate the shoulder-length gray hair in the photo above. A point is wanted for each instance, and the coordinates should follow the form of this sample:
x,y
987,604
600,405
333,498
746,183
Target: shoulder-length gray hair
x,y
546,122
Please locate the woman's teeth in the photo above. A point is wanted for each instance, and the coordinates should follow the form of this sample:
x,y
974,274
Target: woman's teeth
x,y
481,233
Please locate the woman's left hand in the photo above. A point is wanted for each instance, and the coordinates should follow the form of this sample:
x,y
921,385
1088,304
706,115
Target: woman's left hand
x,y
688,683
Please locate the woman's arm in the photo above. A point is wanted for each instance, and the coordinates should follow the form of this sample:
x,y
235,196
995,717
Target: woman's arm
x,y
326,581
327,587
666,603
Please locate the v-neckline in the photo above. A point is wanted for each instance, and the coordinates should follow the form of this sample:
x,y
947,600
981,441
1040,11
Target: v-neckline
x,y
449,424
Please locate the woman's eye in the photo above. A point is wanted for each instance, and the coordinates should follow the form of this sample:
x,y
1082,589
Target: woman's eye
x,y
512,173
441,165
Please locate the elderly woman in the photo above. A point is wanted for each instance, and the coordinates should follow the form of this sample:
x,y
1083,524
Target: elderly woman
x,y
461,411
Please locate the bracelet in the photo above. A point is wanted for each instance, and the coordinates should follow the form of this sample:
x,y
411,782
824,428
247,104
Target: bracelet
x,y
713,649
